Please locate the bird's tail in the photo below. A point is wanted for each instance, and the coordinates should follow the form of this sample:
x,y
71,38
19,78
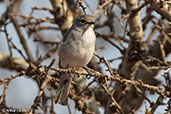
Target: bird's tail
x,y
63,89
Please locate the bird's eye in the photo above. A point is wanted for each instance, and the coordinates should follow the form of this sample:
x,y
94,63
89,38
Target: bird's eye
x,y
82,21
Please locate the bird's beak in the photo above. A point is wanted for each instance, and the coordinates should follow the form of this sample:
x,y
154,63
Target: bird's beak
x,y
91,23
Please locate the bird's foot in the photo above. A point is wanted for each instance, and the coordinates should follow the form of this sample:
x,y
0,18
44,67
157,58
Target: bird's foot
x,y
71,72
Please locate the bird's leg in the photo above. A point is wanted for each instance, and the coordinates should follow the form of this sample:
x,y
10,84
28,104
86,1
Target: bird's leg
x,y
71,72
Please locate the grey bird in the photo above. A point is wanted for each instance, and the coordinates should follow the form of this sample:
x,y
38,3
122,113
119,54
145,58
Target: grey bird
x,y
75,51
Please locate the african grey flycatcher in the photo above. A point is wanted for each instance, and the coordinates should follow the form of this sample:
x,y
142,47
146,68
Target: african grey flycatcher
x,y
75,51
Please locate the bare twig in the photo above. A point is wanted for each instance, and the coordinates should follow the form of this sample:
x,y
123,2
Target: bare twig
x,y
166,71
22,39
113,100
107,2
80,2
118,79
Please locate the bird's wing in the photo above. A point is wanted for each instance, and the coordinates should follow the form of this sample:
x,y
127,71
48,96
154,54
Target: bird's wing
x,y
67,33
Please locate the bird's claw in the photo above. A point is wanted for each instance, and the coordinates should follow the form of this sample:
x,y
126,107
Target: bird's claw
x,y
71,71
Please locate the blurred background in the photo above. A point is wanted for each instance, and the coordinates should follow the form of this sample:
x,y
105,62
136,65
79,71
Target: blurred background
x,y
22,91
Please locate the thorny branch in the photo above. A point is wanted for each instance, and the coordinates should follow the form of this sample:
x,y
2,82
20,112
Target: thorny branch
x,y
117,90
